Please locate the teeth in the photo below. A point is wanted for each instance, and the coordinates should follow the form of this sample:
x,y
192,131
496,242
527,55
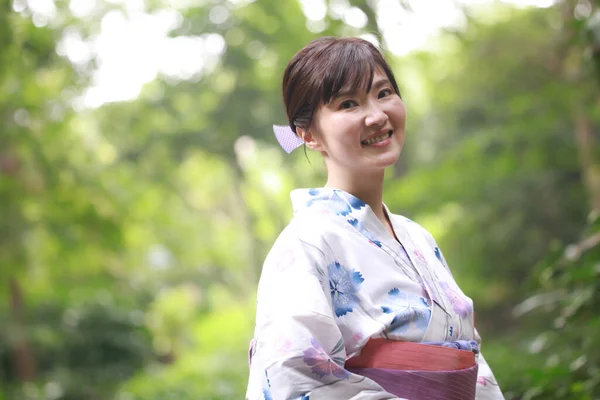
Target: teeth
x,y
377,139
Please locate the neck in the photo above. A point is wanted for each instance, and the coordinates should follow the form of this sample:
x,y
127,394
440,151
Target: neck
x,y
366,187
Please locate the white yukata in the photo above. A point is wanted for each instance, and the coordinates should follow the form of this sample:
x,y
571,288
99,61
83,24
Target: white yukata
x,y
335,278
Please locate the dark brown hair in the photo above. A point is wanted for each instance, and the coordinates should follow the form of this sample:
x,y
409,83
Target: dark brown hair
x,y
322,69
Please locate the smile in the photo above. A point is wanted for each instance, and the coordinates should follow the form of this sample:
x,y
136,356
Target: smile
x,y
377,139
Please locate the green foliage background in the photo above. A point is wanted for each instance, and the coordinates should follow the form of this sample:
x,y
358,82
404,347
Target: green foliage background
x,y
132,235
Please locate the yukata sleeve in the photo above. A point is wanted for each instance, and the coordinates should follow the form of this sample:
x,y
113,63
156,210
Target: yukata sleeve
x,y
298,350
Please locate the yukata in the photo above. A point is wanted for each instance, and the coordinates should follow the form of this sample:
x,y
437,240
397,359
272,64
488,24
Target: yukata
x,y
334,279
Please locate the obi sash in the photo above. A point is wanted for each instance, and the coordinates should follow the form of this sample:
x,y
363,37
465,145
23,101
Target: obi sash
x,y
418,371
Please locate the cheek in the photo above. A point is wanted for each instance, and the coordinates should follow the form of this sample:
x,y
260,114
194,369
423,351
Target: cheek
x,y
398,112
401,111
344,131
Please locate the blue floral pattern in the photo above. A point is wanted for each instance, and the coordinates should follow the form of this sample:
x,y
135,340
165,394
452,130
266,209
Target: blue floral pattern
x,y
267,388
339,202
342,203
344,285
360,227
439,256
411,312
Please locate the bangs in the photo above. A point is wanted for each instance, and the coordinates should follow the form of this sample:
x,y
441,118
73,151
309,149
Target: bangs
x,y
351,69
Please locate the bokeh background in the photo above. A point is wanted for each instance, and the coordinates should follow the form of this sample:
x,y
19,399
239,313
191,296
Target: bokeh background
x,y
141,186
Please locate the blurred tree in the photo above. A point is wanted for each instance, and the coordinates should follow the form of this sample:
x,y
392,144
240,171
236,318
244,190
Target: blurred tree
x,y
567,279
27,61
580,55
60,232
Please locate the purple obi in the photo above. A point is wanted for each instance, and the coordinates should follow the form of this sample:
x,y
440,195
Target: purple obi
x,y
419,371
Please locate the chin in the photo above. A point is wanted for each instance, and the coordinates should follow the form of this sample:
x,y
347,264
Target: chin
x,y
389,161
390,158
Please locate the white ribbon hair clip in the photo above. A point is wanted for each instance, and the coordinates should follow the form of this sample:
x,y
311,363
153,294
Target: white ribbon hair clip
x,y
287,139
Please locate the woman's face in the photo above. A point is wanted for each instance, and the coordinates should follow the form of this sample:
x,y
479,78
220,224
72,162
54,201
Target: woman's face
x,y
360,132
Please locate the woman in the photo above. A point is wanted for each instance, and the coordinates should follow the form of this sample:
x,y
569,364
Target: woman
x,y
348,285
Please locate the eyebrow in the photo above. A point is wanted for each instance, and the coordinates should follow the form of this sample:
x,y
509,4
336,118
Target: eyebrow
x,y
380,83
376,85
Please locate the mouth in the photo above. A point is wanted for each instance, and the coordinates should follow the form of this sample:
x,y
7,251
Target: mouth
x,y
377,139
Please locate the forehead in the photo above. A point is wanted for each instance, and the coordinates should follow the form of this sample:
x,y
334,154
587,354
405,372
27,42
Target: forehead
x,y
364,85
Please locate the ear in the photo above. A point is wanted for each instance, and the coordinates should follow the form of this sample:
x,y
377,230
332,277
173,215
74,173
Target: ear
x,y
310,139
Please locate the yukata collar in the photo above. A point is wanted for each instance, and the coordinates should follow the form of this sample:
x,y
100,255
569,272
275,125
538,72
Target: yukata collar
x,y
336,202
329,200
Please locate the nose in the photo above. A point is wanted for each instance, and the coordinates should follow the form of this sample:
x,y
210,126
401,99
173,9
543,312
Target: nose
x,y
375,116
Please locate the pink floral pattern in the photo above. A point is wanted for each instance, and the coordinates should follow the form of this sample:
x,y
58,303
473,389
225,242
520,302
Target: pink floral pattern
x,y
323,364
460,304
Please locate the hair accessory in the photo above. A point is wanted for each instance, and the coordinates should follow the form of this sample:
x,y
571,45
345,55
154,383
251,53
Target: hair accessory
x,y
286,137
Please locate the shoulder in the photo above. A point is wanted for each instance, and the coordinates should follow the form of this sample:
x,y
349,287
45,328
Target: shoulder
x,y
308,229
302,244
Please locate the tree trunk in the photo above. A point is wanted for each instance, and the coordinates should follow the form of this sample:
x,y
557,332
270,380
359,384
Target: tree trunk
x,y
586,147
575,45
247,223
23,361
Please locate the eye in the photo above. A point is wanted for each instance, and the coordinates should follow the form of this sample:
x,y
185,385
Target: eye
x,y
347,104
384,93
